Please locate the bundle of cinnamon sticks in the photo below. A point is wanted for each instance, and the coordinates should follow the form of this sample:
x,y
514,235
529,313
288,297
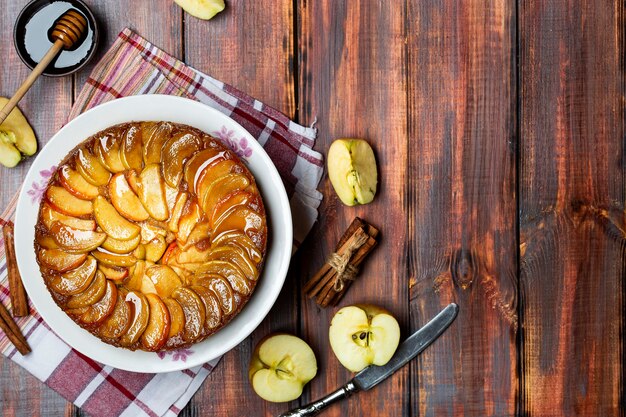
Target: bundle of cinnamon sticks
x,y
332,281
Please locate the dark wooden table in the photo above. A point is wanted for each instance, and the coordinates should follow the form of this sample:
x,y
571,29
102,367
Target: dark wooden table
x,y
499,131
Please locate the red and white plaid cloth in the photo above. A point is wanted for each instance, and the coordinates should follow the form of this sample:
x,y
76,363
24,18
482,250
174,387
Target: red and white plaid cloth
x,y
134,66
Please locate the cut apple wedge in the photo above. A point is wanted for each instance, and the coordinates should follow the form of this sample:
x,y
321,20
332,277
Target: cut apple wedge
x,y
200,160
363,335
352,171
139,321
88,165
112,222
99,311
114,260
76,184
177,317
125,200
222,290
121,246
164,278
175,151
114,273
193,307
155,135
59,260
107,150
280,367
91,295
152,192
120,319
75,281
49,215
76,240
155,335
131,151
66,203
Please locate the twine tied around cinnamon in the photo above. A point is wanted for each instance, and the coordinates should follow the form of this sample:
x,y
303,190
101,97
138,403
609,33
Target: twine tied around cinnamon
x,y
341,263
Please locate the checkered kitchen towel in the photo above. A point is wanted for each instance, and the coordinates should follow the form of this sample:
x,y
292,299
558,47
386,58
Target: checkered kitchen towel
x,y
134,66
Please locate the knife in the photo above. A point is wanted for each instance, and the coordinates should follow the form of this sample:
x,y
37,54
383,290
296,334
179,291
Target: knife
x,y
373,375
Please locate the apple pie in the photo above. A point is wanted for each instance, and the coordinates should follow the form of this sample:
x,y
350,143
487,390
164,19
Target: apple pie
x,y
151,235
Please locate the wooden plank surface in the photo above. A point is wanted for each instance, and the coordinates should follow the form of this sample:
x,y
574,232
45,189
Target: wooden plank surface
x,y
572,207
352,81
461,203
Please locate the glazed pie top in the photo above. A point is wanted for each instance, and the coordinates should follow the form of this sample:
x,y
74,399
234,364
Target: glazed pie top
x,y
151,235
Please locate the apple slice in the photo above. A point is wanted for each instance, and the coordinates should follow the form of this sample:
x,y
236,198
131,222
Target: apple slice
x,y
194,255
111,259
152,192
90,168
136,275
76,184
240,218
114,273
120,319
213,311
237,256
280,367
76,240
243,241
132,178
177,317
59,260
173,154
231,202
352,171
125,200
45,240
155,249
221,188
139,322
131,151
107,150
363,335
211,173
99,311
91,295
200,235
155,135
222,290
112,222
164,278
66,203
49,215
228,270
177,211
140,252
75,281
193,307
190,218
121,246
202,9
155,335
200,160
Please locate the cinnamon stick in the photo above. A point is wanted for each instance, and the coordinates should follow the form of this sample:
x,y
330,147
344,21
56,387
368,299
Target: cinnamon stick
x,y
13,332
16,287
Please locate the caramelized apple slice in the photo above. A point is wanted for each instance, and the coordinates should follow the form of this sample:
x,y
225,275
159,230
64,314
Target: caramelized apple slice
x,y
90,168
136,276
234,199
240,218
120,319
211,173
140,252
155,335
222,290
191,216
99,311
44,240
76,184
111,222
131,151
164,279
75,281
59,260
107,150
155,248
237,256
152,192
132,178
76,240
212,308
177,317
193,307
121,246
91,295
174,152
193,255
228,270
243,241
155,135
49,215
139,321
111,259
125,200
221,188
114,273
177,211
66,203
199,161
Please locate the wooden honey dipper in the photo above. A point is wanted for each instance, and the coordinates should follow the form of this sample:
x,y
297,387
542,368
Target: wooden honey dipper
x,y
67,30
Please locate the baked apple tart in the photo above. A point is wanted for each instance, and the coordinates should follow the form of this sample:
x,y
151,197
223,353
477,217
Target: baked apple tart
x,y
151,235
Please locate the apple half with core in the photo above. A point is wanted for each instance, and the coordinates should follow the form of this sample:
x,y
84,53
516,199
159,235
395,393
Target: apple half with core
x,y
363,335
280,367
352,171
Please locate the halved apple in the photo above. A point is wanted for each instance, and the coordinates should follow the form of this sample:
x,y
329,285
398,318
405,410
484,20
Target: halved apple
x,y
221,288
280,367
131,151
202,9
155,135
177,316
120,319
121,246
125,200
112,259
213,312
76,184
174,152
99,311
152,192
16,137
59,260
75,281
76,240
140,318
49,215
164,278
228,270
66,203
115,273
155,335
91,295
193,307
352,171
112,222
107,150
200,160
90,168
177,211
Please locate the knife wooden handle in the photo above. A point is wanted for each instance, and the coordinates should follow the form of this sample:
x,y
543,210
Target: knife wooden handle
x,y
317,406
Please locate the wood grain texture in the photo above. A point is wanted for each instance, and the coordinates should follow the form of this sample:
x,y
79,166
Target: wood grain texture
x,y
352,80
461,203
572,207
